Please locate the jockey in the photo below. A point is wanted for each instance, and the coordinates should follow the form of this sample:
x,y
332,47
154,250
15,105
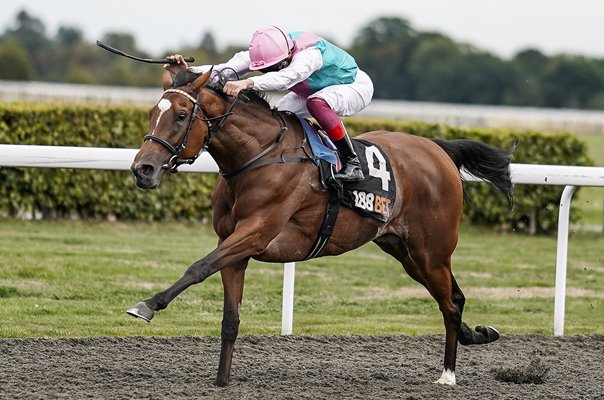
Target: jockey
x,y
324,82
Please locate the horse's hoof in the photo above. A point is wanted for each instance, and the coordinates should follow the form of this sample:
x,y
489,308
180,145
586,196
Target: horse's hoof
x,y
222,382
447,378
142,311
488,332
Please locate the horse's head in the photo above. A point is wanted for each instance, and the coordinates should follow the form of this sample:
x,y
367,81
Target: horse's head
x,y
178,128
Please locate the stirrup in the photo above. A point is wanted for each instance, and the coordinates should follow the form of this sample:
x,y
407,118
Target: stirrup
x,y
350,173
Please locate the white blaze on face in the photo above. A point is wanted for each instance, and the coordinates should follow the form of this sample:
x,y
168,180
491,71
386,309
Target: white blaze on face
x,y
163,105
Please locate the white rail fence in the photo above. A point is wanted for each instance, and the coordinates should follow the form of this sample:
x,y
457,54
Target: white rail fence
x,y
120,159
468,115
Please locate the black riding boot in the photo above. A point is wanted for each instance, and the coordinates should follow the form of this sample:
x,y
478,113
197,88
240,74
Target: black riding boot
x,y
351,171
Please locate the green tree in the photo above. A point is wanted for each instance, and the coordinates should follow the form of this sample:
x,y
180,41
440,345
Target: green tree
x,y
78,74
15,63
571,81
119,74
29,31
383,50
437,67
208,44
382,31
488,79
123,41
531,61
403,63
69,36
527,91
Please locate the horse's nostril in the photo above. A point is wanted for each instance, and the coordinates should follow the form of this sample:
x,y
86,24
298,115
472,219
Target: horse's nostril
x,y
145,170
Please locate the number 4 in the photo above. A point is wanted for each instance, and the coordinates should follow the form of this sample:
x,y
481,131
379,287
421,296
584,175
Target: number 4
x,y
381,172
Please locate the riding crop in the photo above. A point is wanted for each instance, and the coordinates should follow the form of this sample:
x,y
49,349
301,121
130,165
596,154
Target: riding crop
x,y
146,60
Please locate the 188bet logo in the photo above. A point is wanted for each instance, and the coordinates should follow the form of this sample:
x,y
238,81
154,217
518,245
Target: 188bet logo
x,y
376,164
371,202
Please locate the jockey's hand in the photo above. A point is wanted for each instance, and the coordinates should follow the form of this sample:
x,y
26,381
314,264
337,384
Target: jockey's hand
x,y
180,64
232,88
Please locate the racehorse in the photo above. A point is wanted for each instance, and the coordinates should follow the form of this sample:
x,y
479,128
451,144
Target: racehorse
x,y
268,203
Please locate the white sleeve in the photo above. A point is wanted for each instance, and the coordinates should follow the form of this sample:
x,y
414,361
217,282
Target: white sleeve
x,y
302,66
240,62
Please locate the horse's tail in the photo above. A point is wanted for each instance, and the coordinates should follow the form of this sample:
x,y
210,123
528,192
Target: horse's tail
x,y
483,161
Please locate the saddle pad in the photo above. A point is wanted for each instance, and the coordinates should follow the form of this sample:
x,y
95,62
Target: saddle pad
x,y
321,146
374,196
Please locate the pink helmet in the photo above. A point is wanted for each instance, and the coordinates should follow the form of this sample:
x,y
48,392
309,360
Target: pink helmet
x,y
268,47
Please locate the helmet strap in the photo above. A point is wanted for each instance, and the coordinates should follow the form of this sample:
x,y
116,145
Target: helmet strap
x,y
285,63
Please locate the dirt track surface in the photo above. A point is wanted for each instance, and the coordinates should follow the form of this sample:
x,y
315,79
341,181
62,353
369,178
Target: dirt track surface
x,y
300,367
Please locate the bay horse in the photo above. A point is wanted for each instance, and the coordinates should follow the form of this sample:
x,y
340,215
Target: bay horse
x,y
272,210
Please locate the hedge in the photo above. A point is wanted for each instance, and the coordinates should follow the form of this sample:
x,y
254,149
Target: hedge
x,y
50,193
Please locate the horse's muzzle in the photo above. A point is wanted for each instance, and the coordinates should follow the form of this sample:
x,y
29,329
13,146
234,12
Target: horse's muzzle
x,y
146,176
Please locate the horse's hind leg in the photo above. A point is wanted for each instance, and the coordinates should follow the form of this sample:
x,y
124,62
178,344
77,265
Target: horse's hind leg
x,y
434,273
232,281
435,276
441,284
467,336
438,281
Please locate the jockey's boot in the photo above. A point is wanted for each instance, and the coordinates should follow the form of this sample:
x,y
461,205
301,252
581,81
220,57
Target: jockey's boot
x,y
351,170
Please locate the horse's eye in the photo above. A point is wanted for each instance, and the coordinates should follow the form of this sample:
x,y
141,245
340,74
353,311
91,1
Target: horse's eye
x,y
182,115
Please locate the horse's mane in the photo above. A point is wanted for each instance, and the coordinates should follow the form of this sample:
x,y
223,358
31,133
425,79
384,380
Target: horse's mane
x,y
187,76
257,96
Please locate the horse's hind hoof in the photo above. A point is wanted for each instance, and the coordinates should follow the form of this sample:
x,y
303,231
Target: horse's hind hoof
x,y
142,311
490,333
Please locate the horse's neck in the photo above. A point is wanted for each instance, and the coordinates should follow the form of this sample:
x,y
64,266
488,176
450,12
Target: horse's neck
x,y
233,146
244,135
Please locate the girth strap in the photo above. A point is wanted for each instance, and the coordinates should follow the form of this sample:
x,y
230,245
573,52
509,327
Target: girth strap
x,y
336,192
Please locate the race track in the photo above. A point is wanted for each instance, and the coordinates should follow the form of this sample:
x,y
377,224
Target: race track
x,y
301,367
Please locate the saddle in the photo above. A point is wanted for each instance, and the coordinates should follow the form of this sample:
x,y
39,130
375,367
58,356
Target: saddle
x,y
373,197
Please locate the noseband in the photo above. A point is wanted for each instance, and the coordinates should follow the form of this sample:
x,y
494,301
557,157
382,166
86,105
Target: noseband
x,y
255,162
175,161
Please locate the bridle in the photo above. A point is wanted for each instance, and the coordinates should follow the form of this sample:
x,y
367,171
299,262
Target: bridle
x,y
255,162
175,161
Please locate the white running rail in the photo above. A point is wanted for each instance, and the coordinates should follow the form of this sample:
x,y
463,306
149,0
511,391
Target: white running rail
x,y
120,159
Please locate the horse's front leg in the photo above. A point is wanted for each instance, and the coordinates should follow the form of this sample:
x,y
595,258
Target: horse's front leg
x,y
248,239
232,281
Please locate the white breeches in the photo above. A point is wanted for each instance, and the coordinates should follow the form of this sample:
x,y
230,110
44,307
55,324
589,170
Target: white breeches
x,y
344,100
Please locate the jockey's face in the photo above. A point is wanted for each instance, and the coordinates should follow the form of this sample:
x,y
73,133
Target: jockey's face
x,y
276,67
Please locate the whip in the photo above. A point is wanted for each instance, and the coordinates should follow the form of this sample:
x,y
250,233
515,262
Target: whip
x,y
146,60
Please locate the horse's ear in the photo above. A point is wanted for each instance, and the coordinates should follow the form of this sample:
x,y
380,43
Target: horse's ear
x,y
202,80
166,80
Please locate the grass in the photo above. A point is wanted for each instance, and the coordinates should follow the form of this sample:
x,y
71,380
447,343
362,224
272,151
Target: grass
x,y
589,201
74,279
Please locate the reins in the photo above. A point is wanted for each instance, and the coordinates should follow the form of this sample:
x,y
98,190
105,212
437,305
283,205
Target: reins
x,y
175,161
255,162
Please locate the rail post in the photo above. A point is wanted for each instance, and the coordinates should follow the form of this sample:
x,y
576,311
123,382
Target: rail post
x,y
561,259
287,310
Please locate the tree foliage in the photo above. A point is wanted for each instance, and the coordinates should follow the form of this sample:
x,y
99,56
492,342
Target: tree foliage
x,y
428,66
15,62
404,64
